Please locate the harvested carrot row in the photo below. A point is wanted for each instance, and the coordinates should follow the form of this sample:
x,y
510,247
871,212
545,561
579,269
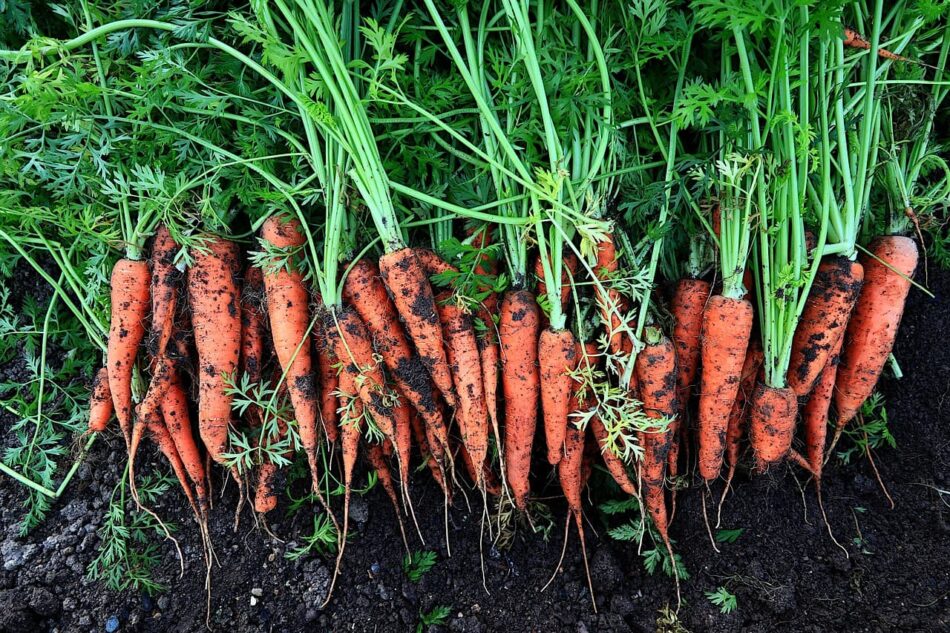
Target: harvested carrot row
x,y
872,330
518,332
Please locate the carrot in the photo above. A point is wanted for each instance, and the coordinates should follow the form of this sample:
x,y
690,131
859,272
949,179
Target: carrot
x,y
518,333
824,320
738,417
130,306
213,295
329,381
253,325
872,330
488,350
687,306
364,290
815,413
288,311
100,402
727,324
656,375
853,39
402,414
486,477
419,432
431,263
166,445
557,356
611,302
405,277
177,419
462,350
615,465
352,344
568,271
771,424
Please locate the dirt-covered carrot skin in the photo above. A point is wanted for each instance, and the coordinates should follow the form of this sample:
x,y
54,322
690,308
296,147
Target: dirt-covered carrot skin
x,y
872,330
166,445
609,300
353,346
687,306
329,381
166,282
518,334
557,357
612,461
406,279
402,416
100,402
771,424
431,263
364,290
129,293
727,324
823,322
419,434
214,298
656,374
177,419
815,412
739,417
253,324
288,310
462,351
485,477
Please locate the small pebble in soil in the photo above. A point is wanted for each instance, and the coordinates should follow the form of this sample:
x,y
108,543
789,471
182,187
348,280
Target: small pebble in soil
x,y
112,624
374,568
257,592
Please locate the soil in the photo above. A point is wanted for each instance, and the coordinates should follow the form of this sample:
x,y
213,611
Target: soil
x,y
784,569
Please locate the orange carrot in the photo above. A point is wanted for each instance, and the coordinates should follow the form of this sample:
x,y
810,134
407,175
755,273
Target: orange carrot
x,y
568,271
329,381
815,413
771,424
409,287
488,350
486,477
166,445
431,263
431,461
364,290
253,325
615,465
739,417
727,324
518,331
130,307
462,351
611,302
656,375
402,415
557,356
215,313
100,402
853,39
824,320
689,302
872,330
177,419
288,310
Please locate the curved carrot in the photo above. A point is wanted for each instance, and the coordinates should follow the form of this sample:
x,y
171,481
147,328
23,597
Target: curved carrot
x,y
166,445
772,424
216,318
872,330
130,306
462,351
406,280
615,465
687,306
727,324
178,422
518,332
557,356
364,290
100,402
824,320
431,461
288,303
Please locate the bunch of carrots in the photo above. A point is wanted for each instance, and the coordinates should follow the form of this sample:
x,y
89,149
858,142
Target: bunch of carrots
x,y
527,322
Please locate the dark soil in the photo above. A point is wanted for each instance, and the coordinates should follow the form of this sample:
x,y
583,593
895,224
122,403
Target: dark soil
x,y
784,569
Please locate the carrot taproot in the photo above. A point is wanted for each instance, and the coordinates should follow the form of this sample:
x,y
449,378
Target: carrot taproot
x,y
422,441
615,465
253,324
771,423
329,382
412,295
484,478
288,303
364,290
687,306
487,336
163,440
872,330
100,402
177,420
727,325
824,319
739,416
557,357
377,460
518,335
402,414
216,318
656,375
129,293
462,352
